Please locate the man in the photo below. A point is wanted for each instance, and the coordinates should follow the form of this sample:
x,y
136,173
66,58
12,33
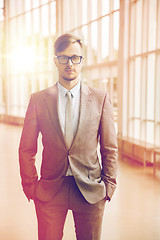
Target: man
x,y
72,119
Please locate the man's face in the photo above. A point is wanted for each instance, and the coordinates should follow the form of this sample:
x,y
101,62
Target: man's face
x,y
69,71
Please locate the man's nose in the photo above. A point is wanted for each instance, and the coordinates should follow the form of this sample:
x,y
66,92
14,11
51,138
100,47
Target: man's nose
x,y
70,62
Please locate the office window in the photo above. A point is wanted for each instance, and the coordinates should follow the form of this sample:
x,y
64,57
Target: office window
x,y
2,81
44,20
105,39
35,3
33,25
116,34
1,10
144,71
98,26
150,86
94,42
105,7
137,87
30,32
36,21
152,24
94,9
84,11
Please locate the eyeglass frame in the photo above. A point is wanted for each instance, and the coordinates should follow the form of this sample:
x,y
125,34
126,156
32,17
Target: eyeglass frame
x,y
69,58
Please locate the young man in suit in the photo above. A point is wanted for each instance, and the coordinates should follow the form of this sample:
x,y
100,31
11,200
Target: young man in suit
x,y
72,119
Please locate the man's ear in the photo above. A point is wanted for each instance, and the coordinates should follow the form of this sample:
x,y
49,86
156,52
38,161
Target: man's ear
x,y
55,60
82,61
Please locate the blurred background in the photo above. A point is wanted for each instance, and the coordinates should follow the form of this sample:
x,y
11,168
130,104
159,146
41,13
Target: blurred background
x,y
122,56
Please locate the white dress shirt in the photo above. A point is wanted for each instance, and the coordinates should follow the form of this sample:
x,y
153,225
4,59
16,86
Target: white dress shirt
x,y
62,100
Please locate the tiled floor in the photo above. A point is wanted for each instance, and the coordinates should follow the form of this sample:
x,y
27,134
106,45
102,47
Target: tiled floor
x,y
133,214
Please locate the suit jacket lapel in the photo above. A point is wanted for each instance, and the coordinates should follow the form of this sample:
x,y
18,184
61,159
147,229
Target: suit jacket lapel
x,y
84,107
52,105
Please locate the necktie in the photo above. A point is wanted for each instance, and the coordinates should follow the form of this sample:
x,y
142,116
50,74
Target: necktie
x,y
68,121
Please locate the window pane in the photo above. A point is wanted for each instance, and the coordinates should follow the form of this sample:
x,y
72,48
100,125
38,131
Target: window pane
x,y
12,31
145,26
53,17
136,129
150,132
94,41
94,9
158,89
143,84
84,34
105,7
36,21
132,30
44,22
116,35
12,8
1,14
27,4
152,25
28,23
35,3
84,11
116,4
137,85
43,1
138,26
105,39
1,3
158,27
19,7
66,16
73,16
131,88
150,86
20,27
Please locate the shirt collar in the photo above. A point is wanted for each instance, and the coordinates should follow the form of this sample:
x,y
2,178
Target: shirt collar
x,y
74,90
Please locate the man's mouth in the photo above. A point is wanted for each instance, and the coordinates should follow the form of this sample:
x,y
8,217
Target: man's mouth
x,y
69,70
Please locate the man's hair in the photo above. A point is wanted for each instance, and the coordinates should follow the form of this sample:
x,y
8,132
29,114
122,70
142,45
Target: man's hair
x,y
64,41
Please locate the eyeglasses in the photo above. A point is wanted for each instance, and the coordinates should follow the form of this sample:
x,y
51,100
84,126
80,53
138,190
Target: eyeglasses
x,y
65,59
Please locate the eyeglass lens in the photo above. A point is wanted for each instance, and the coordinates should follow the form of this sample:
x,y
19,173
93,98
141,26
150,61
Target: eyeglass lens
x,y
65,59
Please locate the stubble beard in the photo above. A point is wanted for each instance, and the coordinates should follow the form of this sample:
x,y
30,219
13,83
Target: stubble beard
x,y
69,79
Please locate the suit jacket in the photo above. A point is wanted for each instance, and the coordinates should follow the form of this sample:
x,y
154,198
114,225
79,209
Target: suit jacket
x,y
95,177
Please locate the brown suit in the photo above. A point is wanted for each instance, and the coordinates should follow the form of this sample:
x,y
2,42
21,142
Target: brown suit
x,y
95,122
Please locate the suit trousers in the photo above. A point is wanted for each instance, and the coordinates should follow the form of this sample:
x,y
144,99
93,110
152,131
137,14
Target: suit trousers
x,y
51,215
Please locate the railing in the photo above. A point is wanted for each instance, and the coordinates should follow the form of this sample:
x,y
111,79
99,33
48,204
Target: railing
x,y
140,151
8,119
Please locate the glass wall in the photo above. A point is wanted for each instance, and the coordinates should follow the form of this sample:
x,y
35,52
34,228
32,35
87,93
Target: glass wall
x,y
97,23
2,97
30,28
141,71
144,55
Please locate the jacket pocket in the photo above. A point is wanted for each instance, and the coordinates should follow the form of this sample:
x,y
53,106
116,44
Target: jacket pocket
x,y
95,175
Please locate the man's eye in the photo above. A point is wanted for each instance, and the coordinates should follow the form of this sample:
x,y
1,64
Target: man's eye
x,y
63,58
75,58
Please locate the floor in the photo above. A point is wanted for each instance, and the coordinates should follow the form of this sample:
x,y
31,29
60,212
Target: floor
x,y
133,213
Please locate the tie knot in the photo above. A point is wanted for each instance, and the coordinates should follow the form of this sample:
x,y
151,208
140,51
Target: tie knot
x,y
69,94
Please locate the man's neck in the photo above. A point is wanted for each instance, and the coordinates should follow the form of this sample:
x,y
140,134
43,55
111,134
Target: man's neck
x,y
69,84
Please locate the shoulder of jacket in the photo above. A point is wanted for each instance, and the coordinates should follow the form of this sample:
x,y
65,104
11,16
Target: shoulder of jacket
x,y
49,90
98,92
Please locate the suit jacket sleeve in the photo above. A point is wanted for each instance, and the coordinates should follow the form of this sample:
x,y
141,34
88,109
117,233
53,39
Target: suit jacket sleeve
x,y
28,150
108,148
